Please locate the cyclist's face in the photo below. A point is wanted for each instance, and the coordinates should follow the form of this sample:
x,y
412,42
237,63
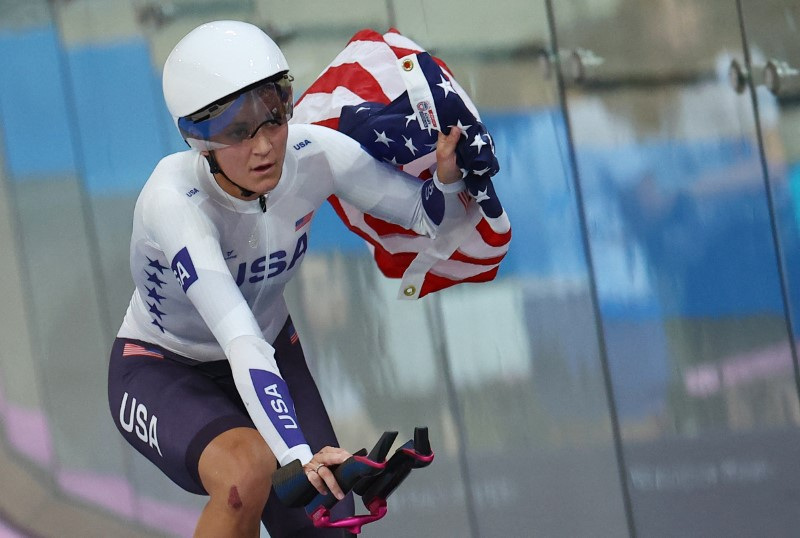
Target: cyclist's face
x,y
255,163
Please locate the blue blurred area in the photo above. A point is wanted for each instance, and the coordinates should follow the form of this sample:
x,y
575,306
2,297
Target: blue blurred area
x,y
33,110
698,215
537,194
123,124
119,127
669,235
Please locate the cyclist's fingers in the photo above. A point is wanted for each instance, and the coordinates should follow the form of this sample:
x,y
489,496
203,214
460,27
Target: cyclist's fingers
x,y
330,481
316,480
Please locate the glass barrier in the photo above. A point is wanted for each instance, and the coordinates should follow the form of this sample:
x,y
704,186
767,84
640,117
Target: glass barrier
x,y
683,250
769,67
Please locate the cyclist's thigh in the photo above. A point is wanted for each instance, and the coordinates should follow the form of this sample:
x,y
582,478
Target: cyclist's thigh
x,y
168,411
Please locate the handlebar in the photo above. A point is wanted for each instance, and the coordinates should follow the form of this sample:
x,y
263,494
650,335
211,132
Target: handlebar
x,y
369,475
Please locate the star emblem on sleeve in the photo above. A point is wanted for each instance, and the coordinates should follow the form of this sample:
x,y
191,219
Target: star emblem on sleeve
x,y
153,294
153,277
155,264
154,309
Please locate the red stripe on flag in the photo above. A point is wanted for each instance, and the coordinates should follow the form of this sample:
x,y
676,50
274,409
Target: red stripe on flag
x,y
367,35
351,76
490,237
461,257
390,265
337,207
383,228
393,265
401,52
434,283
332,123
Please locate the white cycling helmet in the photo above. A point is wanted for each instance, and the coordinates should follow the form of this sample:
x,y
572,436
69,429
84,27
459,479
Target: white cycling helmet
x,y
206,73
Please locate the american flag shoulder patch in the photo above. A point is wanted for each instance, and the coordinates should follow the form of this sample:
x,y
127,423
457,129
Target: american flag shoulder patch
x,y
135,350
293,337
303,221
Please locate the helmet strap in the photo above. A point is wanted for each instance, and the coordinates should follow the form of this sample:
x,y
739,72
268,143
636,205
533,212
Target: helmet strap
x,y
216,169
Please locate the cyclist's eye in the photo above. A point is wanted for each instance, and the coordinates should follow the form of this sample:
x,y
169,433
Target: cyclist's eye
x,y
238,131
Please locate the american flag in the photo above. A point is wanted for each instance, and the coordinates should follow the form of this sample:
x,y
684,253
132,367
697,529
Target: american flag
x,y
293,336
389,94
135,350
303,221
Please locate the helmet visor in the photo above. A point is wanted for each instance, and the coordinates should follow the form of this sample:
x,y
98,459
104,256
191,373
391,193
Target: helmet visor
x,y
235,119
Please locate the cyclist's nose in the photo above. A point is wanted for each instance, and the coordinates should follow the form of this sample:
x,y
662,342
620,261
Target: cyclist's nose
x,y
262,139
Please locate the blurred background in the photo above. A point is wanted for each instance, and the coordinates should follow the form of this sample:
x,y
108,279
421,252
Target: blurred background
x,y
633,369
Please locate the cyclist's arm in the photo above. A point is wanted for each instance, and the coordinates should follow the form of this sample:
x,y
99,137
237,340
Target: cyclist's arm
x,y
383,191
190,242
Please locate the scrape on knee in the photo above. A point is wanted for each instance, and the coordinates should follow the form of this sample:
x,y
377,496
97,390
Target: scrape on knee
x,y
234,501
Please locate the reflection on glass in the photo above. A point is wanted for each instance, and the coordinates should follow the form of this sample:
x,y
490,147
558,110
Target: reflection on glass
x,y
771,30
683,250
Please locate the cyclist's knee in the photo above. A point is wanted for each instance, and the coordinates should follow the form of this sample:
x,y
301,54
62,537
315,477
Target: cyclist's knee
x,y
236,469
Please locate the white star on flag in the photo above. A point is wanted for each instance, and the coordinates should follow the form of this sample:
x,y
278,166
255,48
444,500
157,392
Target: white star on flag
x,y
479,142
462,128
411,117
481,172
481,196
410,145
383,139
446,86
359,109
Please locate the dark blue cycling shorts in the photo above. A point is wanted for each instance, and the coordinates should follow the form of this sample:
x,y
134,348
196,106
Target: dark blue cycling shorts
x,y
170,407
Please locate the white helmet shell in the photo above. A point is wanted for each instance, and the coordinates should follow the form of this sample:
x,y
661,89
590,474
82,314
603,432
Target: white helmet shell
x,y
215,60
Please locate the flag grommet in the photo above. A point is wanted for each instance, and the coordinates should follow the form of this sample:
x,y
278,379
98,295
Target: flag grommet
x,y
410,291
408,65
